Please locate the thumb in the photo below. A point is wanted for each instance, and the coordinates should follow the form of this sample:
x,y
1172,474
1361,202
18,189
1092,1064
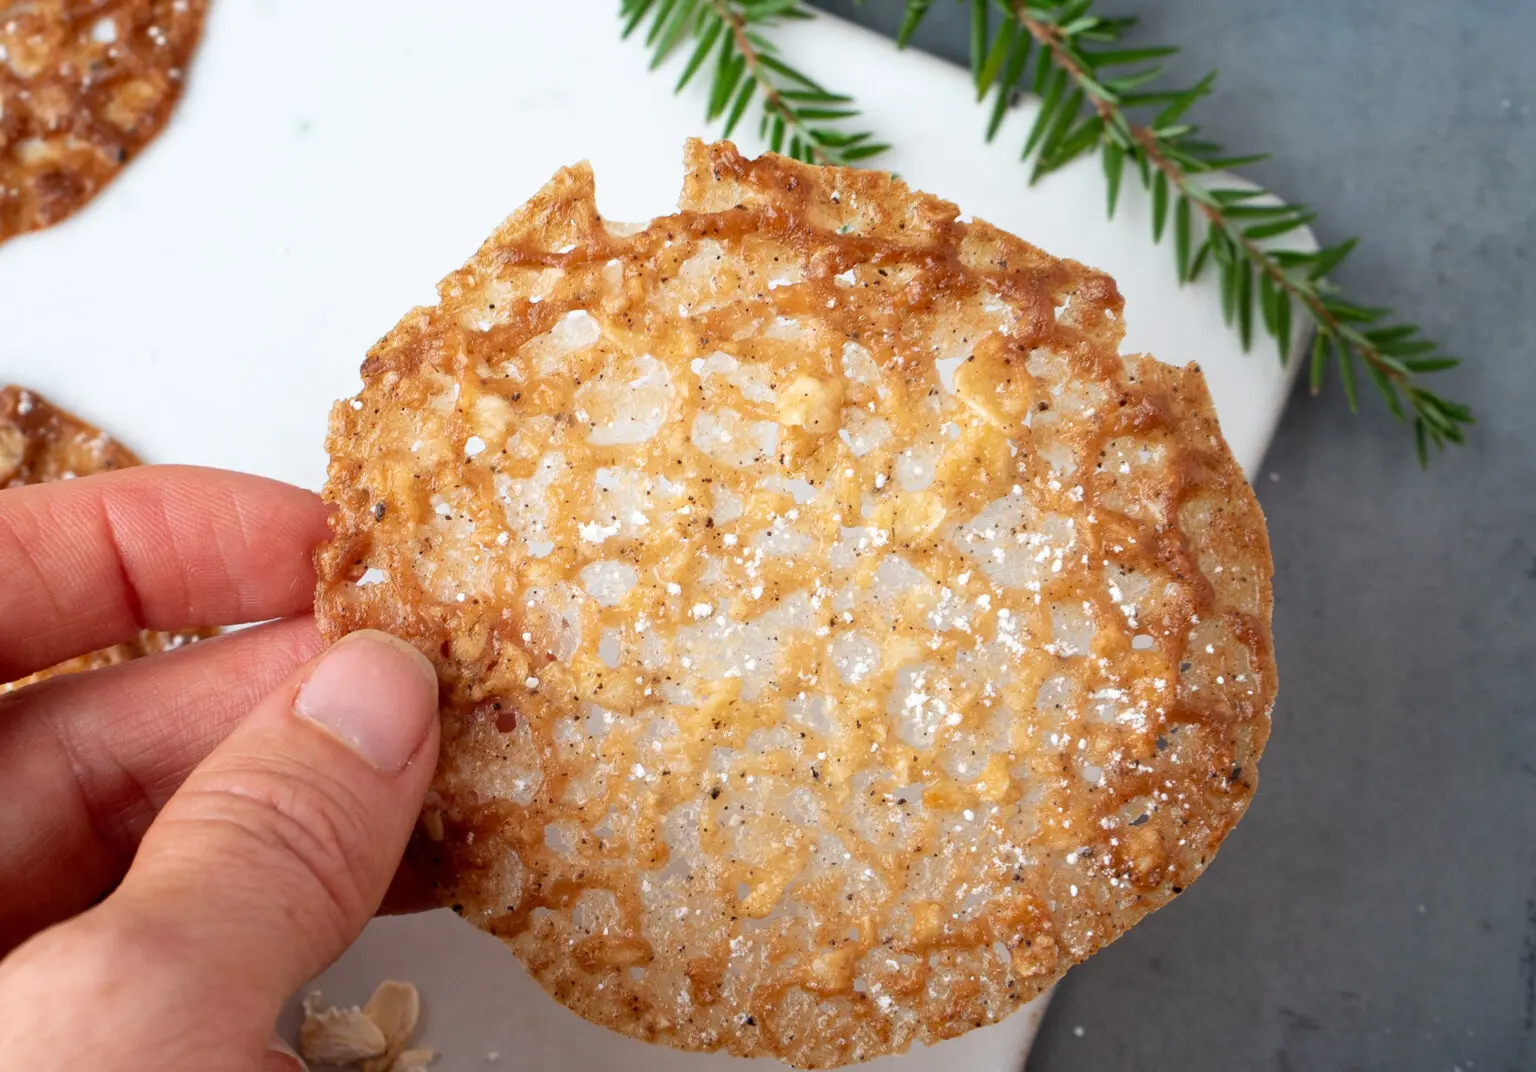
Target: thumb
x,y
257,874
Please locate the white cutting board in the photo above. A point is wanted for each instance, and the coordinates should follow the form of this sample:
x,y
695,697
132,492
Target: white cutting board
x,y
331,161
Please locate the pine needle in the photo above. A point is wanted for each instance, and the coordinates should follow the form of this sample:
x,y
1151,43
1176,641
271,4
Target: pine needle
x,y
798,116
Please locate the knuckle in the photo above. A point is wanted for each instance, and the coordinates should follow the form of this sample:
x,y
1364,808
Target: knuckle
x,y
133,973
296,829
82,957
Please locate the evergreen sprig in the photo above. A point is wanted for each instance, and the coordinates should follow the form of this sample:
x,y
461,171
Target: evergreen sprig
x,y
1095,96
1090,88
799,117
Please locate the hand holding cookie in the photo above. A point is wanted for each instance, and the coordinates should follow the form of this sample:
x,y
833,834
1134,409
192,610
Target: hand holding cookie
x,y
262,791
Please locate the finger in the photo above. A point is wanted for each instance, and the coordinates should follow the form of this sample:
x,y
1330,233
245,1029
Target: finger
x,y
88,760
258,873
281,1057
89,563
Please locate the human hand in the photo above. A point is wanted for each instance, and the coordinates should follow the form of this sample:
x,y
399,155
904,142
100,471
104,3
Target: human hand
x,y
262,790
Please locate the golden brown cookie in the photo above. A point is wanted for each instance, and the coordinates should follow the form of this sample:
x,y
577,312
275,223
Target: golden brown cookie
x,y
839,637
84,86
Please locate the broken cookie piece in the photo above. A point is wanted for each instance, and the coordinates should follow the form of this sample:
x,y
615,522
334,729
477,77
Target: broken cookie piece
x,y
395,1007
374,1038
338,1036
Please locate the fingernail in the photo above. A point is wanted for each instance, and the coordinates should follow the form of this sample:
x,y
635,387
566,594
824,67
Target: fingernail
x,y
375,693
282,1058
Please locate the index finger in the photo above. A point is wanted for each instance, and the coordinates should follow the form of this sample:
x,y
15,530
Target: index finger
x,y
89,563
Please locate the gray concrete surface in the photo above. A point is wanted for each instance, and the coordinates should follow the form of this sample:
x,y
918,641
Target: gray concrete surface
x,y
1377,908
